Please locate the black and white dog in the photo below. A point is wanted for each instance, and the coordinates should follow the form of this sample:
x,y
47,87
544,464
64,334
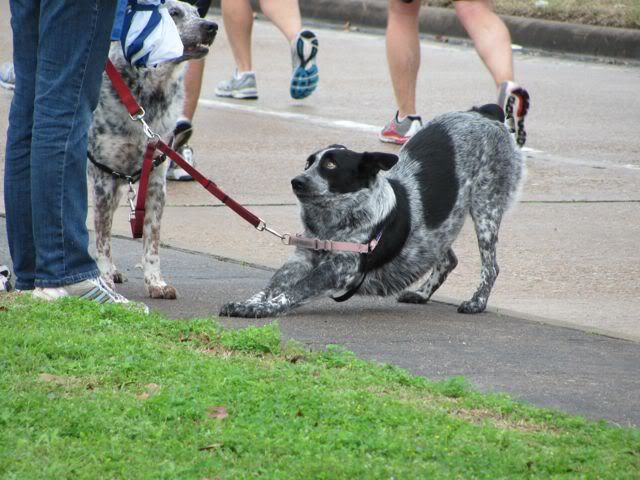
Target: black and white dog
x,y
458,163
117,143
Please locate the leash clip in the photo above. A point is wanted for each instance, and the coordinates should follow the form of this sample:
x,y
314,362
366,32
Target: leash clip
x,y
262,227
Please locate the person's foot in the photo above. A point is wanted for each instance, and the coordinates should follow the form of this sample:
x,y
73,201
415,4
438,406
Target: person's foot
x,y
5,279
176,172
93,289
241,86
304,78
400,131
515,102
7,76
181,135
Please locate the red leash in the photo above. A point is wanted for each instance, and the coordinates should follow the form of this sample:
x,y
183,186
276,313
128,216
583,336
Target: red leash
x,y
136,216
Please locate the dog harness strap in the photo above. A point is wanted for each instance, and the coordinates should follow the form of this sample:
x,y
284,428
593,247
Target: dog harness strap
x,y
126,97
209,185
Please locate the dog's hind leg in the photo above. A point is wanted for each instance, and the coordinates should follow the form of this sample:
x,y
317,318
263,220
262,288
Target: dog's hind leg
x,y
438,275
156,193
106,195
486,219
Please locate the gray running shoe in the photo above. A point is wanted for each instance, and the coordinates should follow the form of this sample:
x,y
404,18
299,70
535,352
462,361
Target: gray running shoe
x,y
93,289
241,86
7,76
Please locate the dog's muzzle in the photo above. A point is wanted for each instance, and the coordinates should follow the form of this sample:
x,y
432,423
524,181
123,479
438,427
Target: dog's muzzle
x,y
300,185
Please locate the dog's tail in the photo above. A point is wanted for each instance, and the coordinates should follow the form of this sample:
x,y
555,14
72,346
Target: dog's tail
x,y
491,111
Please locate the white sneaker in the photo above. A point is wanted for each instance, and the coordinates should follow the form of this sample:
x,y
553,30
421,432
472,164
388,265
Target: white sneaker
x,y
94,289
241,86
5,279
175,171
7,76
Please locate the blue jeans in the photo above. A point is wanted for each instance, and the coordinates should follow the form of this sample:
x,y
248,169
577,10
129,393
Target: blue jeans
x,y
60,48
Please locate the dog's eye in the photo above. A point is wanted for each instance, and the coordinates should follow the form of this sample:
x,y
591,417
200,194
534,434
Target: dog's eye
x,y
175,13
308,164
330,165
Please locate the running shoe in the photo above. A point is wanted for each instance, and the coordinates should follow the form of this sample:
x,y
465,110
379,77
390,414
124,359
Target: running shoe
x,y
304,79
181,135
241,86
93,289
176,172
5,279
400,131
515,102
7,76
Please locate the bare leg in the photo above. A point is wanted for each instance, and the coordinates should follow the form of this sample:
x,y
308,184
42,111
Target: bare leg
x,y
192,87
238,23
403,53
490,36
284,14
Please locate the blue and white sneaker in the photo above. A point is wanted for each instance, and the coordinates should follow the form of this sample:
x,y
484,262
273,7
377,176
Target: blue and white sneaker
x,y
304,78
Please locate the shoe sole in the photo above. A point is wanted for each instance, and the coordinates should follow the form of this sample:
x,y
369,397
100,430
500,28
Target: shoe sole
x,y
515,119
304,81
8,86
394,140
238,94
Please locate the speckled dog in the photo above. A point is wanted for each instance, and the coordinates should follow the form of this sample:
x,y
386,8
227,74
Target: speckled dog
x,y
458,163
118,143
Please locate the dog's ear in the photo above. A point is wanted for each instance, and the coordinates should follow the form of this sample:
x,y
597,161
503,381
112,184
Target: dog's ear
x,y
377,161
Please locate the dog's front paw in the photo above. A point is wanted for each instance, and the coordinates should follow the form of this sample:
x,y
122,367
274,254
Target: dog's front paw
x,y
163,291
472,306
253,309
244,310
119,277
409,296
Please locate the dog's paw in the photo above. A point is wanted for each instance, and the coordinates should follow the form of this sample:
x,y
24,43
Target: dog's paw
x,y
472,306
246,310
119,277
409,296
163,291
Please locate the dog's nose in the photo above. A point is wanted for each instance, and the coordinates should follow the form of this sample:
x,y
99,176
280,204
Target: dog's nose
x,y
211,27
299,184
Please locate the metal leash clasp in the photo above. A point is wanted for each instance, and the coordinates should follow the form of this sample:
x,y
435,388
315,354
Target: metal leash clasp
x,y
139,117
284,238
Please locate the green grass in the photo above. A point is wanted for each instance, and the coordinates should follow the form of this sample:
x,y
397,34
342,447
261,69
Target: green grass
x,y
91,392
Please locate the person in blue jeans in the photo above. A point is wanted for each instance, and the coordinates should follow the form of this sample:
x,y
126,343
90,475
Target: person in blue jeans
x,y
60,49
